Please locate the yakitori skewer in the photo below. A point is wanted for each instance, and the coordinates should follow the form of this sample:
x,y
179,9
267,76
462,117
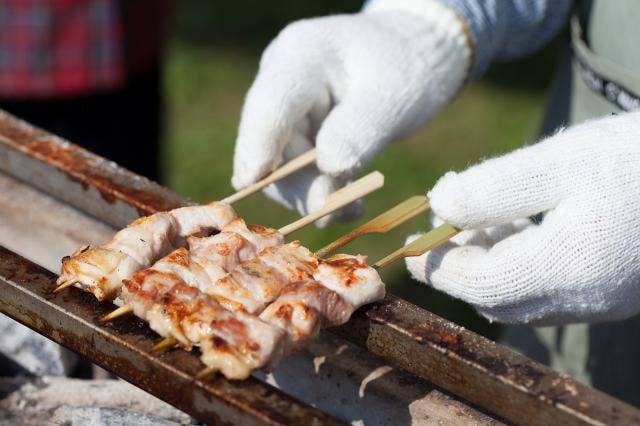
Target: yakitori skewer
x,y
380,224
315,308
131,263
335,201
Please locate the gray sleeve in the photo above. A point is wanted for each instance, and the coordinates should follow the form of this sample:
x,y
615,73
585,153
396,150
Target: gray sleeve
x,y
505,29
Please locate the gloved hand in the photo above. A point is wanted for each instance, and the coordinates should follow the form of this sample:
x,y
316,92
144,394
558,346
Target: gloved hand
x,y
581,263
348,84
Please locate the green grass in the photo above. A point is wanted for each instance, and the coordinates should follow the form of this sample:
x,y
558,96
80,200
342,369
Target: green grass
x,y
205,87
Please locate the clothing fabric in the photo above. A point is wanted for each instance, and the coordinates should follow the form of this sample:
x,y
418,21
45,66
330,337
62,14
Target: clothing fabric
x,y
507,29
63,48
603,355
121,125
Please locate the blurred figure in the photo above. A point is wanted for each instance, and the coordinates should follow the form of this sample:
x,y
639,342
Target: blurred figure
x,y
89,71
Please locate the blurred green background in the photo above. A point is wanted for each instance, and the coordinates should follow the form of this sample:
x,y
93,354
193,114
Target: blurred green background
x,y
211,60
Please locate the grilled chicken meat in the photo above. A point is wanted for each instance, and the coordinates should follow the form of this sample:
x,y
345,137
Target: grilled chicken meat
x,y
351,278
303,308
242,295
101,269
256,281
234,343
341,285
174,297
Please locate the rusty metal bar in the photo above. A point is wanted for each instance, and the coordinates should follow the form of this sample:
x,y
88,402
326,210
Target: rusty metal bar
x,y
459,361
78,177
71,319
479,370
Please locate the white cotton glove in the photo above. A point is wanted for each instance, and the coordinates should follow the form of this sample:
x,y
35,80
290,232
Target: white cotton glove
x,y
581,263
348,84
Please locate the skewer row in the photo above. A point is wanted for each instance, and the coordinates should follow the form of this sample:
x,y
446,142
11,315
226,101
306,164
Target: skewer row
x,y
242,295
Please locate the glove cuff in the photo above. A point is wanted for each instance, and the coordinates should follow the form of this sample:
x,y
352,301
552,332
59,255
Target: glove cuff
x,y
442,18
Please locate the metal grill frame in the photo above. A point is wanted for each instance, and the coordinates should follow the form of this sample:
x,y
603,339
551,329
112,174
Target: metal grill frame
x,y
461,362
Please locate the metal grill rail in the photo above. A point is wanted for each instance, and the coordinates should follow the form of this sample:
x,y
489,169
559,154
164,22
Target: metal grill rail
x,y
474,368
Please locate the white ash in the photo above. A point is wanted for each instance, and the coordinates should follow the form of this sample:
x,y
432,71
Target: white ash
x,y
33,352
58,400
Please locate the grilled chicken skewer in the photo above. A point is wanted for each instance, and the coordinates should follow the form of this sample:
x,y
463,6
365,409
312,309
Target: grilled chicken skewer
x,y
235,341
101,269
261,237
208,250
341,285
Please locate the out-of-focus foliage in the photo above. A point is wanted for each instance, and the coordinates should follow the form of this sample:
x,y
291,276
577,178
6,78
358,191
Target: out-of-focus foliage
x,y
250,23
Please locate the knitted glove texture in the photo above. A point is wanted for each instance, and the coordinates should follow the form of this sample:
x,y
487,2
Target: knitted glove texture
x,y
346,84
581,263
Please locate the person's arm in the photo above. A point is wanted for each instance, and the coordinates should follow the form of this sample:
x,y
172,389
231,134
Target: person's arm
x,y
505,29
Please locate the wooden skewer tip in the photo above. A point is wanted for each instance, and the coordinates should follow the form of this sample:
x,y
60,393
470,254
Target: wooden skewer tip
x,y
166,343
122,310
64,285
205,373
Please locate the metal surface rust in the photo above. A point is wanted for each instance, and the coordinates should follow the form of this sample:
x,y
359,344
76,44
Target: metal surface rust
x,y
72,320
77,176
476,369
479,370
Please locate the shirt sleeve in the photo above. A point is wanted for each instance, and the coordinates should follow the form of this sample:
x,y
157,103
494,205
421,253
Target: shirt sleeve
x,y
506,29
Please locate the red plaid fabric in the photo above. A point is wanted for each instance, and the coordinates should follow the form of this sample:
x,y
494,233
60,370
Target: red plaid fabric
x,y
61,48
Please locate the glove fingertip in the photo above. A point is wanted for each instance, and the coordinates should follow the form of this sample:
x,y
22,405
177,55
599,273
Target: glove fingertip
x,y
416,264
450,201
416,267
338,163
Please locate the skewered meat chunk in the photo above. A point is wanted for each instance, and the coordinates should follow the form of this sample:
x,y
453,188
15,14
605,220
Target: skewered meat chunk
x,y
264,283
260,236
220,253
266,275
344,283
303,308
291,260
252,342
204,219
351,278
146,238
98,270
101,269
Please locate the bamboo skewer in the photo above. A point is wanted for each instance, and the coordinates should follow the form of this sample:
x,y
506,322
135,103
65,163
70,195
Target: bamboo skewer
x,y
64,285
166,343
350,193
294,165
428,241
339,199
381,224
290,167
122,310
